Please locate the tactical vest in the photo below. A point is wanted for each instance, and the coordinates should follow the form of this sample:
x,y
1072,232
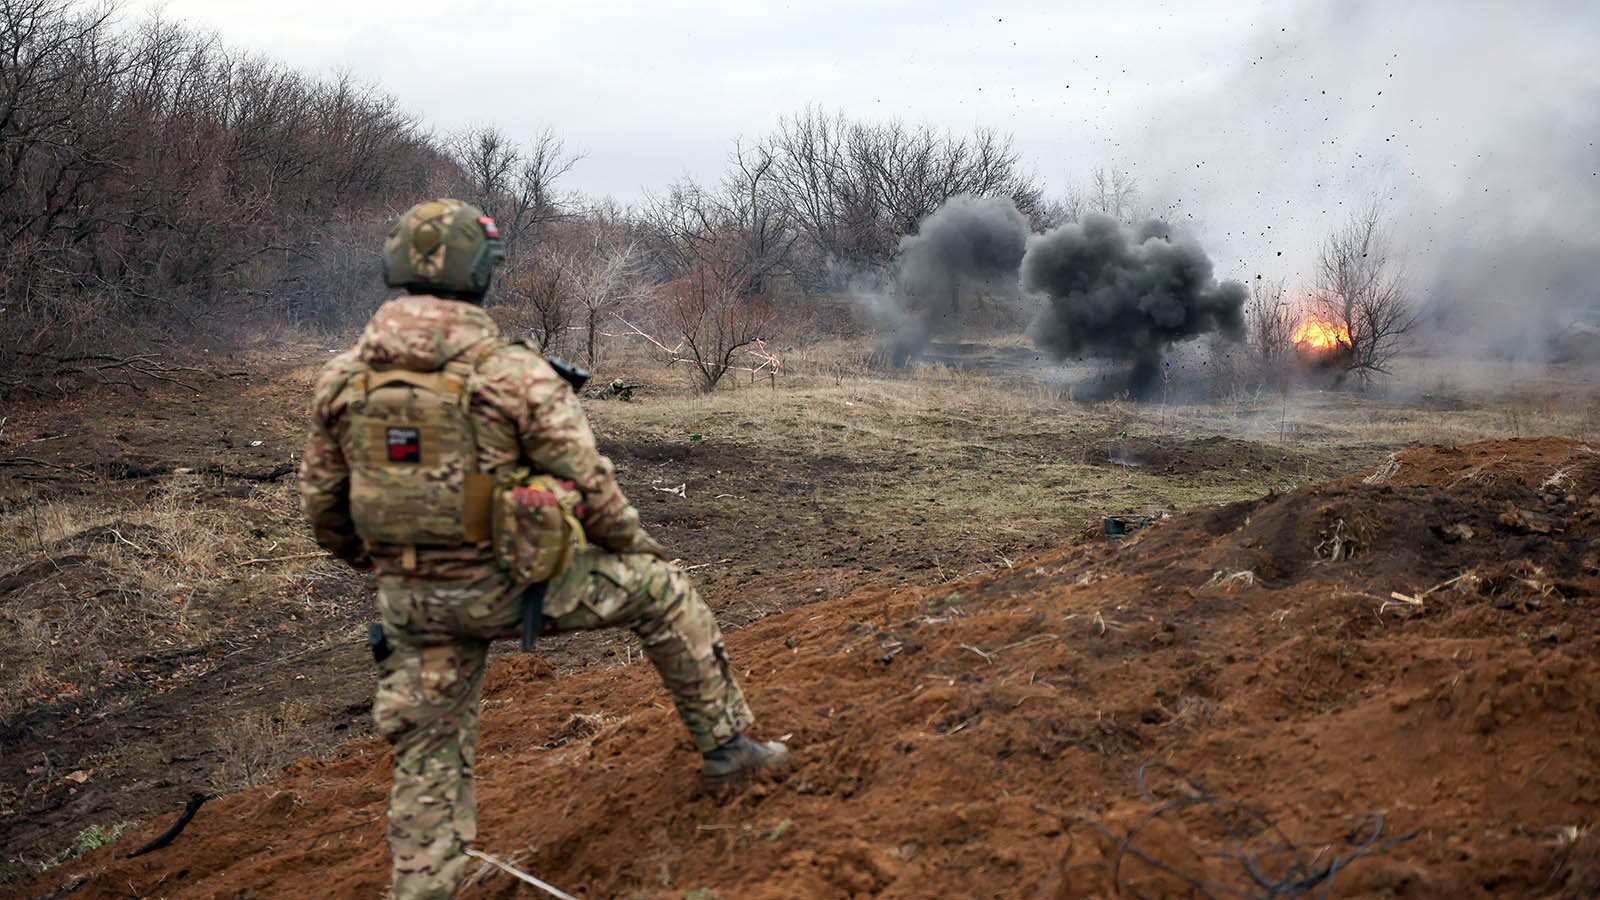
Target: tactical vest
x,y
413,455
414,480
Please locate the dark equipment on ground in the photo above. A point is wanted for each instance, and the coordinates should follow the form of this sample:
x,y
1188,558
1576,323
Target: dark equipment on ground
x,y
377,642
532,613
1121,526
195,801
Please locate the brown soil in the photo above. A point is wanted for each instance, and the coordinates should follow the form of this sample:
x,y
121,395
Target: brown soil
x,y
1181,457
986,738
157,715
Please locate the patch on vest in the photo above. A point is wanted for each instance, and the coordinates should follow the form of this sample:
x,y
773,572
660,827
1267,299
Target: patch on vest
x,y
405,445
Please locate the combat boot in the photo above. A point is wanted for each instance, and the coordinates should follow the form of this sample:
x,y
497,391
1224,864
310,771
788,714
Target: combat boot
x,y
740,757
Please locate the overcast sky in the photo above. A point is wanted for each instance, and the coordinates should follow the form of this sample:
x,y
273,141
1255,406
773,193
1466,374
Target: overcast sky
x,y
1255,123
651,92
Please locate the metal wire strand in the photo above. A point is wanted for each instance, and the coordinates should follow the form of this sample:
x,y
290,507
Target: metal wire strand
x,y
1270,865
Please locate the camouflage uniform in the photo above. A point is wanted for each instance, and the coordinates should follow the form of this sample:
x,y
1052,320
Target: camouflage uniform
x,y
441,614
617,388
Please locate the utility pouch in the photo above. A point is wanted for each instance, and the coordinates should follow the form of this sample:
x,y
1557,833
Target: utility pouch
x,y
533,525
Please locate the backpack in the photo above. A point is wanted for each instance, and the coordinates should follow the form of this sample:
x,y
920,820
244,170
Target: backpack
x,y
413,457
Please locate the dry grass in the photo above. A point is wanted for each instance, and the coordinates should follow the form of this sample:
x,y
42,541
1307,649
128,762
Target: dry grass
x,y
97,582
258,743
1004,452
820,380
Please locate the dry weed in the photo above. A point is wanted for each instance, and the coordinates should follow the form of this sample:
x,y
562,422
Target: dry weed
x,y
257,744
96,581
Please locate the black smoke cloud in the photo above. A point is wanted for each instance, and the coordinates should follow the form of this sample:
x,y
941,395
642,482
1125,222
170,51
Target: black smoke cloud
x,y
966,246
967,242
1126,293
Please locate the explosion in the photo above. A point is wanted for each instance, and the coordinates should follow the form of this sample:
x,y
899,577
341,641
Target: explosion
x,y
1126,293
1318,335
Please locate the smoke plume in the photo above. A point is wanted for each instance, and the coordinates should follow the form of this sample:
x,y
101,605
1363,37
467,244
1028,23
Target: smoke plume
x,y
969,246
1476,125
1126,293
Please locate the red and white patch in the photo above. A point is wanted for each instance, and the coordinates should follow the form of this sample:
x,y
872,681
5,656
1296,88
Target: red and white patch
x,y
490,229
405,445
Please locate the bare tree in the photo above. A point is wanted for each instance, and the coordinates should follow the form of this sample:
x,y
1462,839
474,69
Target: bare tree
x,y
752,209
743,216
706,312
600,278
1113,191
541,298
1360,286
514,184
853,189
1269,319
489,159
148,173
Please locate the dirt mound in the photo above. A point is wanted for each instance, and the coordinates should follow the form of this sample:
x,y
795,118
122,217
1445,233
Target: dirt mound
x,y
1388,685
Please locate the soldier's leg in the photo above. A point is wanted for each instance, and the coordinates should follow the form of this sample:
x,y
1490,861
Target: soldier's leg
x,y
677,629
427,706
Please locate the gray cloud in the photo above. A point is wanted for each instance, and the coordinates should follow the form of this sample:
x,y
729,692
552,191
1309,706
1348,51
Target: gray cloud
x,y
1126,293
968,247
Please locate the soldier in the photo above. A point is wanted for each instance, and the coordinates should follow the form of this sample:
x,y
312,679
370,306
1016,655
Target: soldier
x,y
407,426
617,388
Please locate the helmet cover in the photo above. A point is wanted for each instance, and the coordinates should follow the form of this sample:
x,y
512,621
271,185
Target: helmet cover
x,y
442,246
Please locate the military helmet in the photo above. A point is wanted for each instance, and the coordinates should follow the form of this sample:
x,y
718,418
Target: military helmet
x,y
442,246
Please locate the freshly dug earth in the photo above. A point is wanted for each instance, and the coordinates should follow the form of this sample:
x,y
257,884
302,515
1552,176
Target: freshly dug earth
x,y
985,739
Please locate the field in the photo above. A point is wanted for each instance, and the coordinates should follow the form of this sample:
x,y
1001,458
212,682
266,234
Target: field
x,y
915,568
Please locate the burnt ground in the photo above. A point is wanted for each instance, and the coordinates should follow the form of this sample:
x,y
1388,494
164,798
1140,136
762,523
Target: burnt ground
x,y
1181,457
1379,686
159,688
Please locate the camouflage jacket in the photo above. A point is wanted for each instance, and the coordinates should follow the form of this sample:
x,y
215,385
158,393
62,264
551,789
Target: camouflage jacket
x,y
521,411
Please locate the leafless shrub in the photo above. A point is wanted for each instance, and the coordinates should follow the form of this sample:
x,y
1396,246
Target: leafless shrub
x,y
257,743
600,278
1360,286
536,301
709,314
152,176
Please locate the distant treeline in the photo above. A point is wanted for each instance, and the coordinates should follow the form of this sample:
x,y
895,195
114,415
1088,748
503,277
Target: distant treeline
x,y
150,178
155,182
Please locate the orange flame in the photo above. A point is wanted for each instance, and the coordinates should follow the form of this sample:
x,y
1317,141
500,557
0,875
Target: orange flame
x,y
1316,334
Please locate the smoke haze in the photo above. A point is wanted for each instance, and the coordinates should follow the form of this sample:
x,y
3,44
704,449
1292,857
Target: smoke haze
x,y
969,246
1476,125
969,242
1126,293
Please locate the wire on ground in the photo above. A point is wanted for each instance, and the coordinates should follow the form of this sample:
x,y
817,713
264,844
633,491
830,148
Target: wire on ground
x,y
1267,863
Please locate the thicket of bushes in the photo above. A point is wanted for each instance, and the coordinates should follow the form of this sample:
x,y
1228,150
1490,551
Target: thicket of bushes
x,y
152,180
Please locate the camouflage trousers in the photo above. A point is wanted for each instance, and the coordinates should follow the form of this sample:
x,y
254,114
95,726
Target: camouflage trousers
x,y
432,681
